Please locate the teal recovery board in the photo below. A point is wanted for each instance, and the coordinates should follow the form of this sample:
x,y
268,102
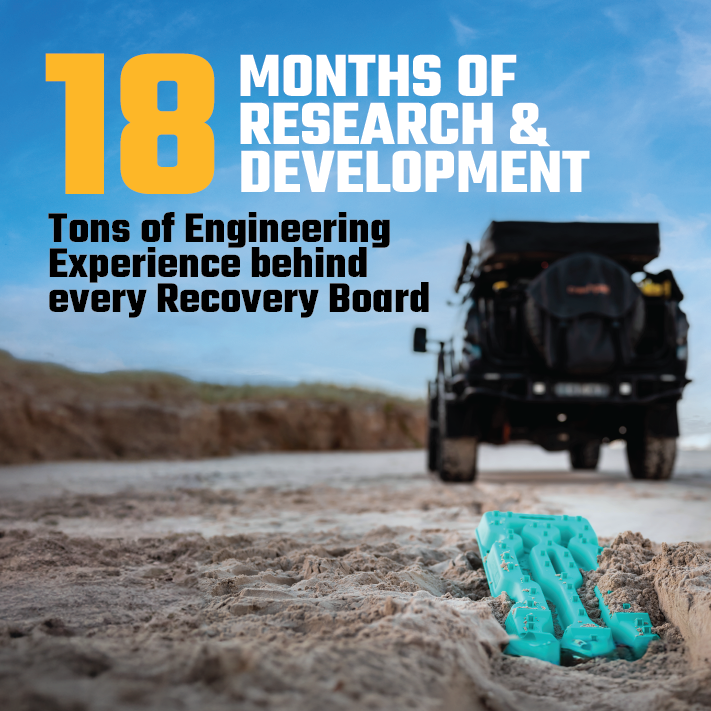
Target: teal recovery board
x,y
535,558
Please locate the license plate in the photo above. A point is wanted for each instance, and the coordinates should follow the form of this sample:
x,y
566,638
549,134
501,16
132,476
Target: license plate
x,y
581,389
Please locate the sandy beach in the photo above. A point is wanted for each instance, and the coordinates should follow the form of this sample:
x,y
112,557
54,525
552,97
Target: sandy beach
x,y
334,580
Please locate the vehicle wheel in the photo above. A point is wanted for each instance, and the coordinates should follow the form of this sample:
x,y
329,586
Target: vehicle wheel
x,y
458,459
432,449
651,457
585,456
455,456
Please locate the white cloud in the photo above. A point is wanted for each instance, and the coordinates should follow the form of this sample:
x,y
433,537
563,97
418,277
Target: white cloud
x,y
695,66
617,18
464,33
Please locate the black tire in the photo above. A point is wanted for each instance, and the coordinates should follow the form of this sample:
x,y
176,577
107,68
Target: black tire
x,y
455,457
585,456
458,459
432,449
651,457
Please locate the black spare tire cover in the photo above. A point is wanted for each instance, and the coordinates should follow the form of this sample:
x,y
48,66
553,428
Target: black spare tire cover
x,y
587,292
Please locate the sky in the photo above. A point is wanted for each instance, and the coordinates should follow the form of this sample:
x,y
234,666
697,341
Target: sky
x,y
629,82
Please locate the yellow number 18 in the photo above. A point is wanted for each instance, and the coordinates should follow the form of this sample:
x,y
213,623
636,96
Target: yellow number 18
x,y
83,75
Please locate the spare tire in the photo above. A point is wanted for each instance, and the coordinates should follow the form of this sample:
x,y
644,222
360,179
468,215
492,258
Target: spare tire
x,y
584,314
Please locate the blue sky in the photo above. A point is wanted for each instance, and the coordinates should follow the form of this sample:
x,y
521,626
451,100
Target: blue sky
x,y
629,82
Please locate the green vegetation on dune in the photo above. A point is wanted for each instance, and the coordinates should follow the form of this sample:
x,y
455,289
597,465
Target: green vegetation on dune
x,y
157,385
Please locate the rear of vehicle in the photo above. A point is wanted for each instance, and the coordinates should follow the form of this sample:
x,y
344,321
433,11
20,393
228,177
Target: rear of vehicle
x,y
562,348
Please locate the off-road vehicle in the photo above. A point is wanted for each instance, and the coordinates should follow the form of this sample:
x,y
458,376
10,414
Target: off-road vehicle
x,y
563,348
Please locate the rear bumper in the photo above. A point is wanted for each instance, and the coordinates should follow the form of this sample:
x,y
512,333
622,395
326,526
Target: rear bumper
x,y
620,389
512,408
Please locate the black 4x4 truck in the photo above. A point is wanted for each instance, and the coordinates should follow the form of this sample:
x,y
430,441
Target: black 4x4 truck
x,y
562,348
